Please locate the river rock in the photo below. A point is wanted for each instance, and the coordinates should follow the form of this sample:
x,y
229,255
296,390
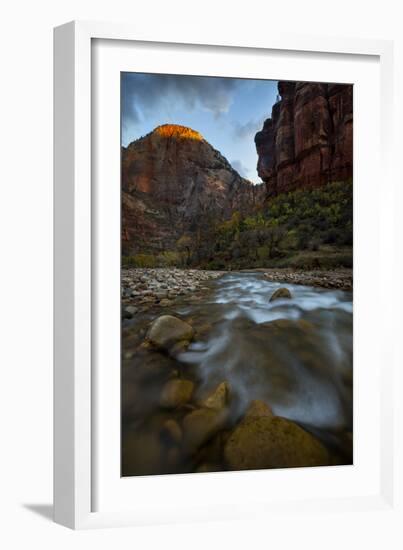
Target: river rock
x,y
171,431
129,311
272,442
176,393
142,454
167,330
179,347
165,302
203,330
302,339
281,325
150,366
280,294
147,300
172,459
201,425
258,409
335,278
219,398
205,467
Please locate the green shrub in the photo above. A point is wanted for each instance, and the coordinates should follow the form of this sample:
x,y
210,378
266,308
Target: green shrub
x,y
168,258
305,228
140,260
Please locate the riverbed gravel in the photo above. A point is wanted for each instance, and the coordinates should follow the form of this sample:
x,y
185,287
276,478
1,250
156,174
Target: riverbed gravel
x,y
144,287
338,279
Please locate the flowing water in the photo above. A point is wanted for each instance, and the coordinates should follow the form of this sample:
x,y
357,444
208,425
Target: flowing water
x,y
295,354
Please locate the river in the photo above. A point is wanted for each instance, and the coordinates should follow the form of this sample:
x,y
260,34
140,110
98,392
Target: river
x,y
295,354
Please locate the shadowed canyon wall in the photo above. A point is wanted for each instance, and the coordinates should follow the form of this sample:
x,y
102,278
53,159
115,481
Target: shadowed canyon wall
x,y
308,140
174,182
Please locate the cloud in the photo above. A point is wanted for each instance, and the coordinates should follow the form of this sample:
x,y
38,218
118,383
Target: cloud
x,y
240,168
247,130
142,94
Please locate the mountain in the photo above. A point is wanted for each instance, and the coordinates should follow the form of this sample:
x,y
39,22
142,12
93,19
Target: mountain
x,y
308,140
174,183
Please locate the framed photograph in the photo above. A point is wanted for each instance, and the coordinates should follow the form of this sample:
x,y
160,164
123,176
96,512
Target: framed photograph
x,y
215,357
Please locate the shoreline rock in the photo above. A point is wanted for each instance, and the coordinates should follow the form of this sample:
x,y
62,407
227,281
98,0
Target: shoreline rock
x,y
148,287
337,279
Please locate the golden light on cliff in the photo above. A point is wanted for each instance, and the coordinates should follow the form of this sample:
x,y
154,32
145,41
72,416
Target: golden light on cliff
x,y
176,130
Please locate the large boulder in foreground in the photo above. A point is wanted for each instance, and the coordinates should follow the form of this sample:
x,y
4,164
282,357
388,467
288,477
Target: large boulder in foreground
x,y
258,408
167,330
272,442
280,294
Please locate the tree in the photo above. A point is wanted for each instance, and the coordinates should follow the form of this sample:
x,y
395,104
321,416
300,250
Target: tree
x,y
185,244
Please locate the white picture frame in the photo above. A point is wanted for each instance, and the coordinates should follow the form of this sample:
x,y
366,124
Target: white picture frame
x,y
77,393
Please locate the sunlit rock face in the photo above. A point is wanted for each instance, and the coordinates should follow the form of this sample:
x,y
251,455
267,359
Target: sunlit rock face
x,y
175,182
177,131
308,140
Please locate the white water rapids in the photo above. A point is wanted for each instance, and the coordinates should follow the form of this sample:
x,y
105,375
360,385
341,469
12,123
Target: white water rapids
x,y
303,370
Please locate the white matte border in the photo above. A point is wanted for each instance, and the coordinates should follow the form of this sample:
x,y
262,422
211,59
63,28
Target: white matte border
x,y
72,402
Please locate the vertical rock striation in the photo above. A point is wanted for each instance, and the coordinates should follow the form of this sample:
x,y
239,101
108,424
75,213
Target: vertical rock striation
x,y
308,141
175,182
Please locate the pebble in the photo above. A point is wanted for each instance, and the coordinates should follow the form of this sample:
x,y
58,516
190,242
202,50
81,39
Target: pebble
x,y
339,279
147,287
129,311
172,431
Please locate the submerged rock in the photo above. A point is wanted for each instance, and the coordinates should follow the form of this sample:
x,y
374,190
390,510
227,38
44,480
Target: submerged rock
x,y
283,325
167,330
176,393
129,311
280,293
258,409
203,330
142,454
172,460
207,467
201,425
171,431
165,302
219,398
273,442
179,347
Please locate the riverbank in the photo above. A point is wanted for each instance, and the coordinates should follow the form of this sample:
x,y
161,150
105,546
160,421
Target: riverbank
x,y
341,279
227,378
143,288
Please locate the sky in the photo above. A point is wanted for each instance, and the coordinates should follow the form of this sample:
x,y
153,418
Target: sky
x,y
226,111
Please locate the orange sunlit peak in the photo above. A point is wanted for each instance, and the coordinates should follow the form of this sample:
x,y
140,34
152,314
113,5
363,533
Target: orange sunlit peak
x,y
176,130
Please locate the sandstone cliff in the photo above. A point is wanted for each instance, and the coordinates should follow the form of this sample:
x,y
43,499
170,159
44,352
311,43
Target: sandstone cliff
x,y
174,182
308,141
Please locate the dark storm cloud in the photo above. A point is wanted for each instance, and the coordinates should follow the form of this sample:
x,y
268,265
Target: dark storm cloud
x,y
142,94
